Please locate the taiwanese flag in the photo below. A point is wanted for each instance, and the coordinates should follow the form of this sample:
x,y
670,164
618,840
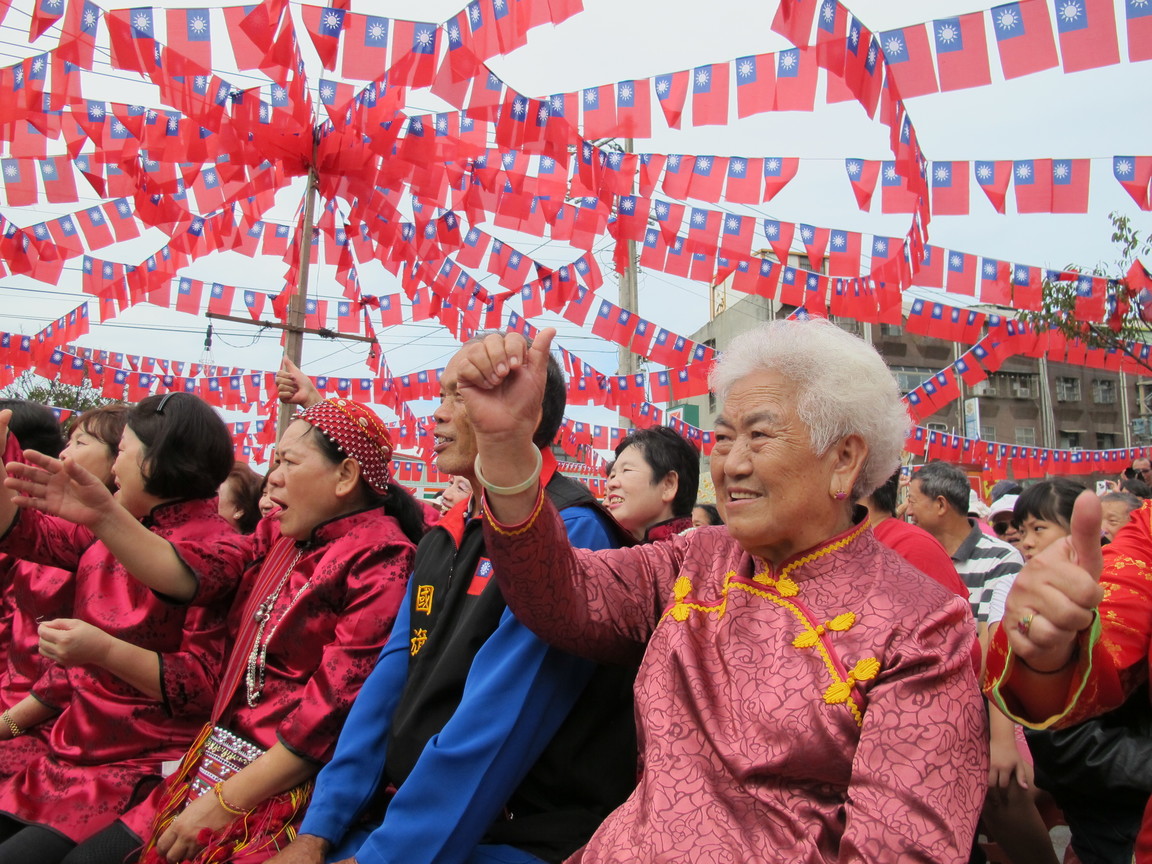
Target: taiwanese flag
x,y
65,233
778,171
671,91
78,34
677,175
132,39
190,35
703,228
1033,181
1026,287
949,188
795,80
1133,173
1070,185
220,299
815,241
19,182
995,282
843,253
930,274
1024,37
961,273
962,52
755,84
188,296
348,317
599,111
365,46
895,196
707,178
94,225
44,14
334,96
710,95
1139,20
862,174
414,49
736,235
969,370
324,25
779,236
744,176
59,182
1087,31
909,60
993,178
633,109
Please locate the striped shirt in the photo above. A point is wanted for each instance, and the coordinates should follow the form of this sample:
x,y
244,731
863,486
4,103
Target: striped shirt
x,y
981,560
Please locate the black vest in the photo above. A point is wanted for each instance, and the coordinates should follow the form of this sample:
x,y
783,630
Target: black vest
x,y
588,768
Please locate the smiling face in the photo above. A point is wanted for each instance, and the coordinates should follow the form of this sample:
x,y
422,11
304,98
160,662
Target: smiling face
x,y
776,496
634,499
128,475
455,445
91,454
306,486
458,490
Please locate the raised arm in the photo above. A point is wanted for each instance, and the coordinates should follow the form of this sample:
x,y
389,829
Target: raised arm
x,y
66,490
294,387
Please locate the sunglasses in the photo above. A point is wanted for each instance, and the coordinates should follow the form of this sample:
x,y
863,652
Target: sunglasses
x,y
1001,528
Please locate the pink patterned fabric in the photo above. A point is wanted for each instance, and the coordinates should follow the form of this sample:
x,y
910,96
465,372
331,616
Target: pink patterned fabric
x,y
824,712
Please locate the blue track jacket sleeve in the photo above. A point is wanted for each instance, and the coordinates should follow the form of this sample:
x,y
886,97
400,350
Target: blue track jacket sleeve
x,y
518,693
347,783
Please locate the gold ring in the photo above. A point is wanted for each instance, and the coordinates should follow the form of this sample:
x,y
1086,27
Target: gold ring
x,y
1024,624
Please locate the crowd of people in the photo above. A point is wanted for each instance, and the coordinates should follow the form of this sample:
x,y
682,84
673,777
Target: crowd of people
x,y
200,663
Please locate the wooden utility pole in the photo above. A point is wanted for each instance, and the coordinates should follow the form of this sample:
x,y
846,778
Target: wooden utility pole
x,y
629,299
294,342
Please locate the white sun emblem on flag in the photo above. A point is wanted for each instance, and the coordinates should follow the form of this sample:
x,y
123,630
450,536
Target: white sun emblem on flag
x,y
1070,12
264,111
732,223
198,24
947,34
326,92
703,163
441,124
378,31
48,169
19,74
893,46
589,97
11,170
547,161
89,18
497,5
542,114
853,168
1023,172
454,33
956,260
1021,274
625,92
514,259
662,86
744,70
1124,167
142,22
118,128
890,172
331,21
737,166
702,77
661,209
772,164
1007,19
37,64
626,205
614,159
474,13
698,218
787,60
807,233
674,161
828,12
1061,170
96,111
941,172
880,247
772,230
424,38
201,81
989,269
838,241
518,107
871,55
854,35
279,93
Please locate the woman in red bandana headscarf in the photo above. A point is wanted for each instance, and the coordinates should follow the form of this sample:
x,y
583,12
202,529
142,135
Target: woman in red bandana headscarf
x,y
329,568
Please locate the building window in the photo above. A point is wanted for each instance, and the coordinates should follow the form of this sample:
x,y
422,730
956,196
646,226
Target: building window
x,y
1067,389
987,433
937,427
891,330
1107,441
909,377
1070,439
1026,436
849,325
1023,386
1104,391
985,388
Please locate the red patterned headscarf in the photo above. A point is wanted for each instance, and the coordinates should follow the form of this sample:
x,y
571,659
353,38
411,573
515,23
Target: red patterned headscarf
x,y
359,434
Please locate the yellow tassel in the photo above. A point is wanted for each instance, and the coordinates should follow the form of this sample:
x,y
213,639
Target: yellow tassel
x,y
843,621
680,612
763,578
682,588
866,669
837,693
787,587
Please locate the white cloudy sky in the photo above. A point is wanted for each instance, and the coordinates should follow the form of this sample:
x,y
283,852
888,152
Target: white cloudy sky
x,y
1098,113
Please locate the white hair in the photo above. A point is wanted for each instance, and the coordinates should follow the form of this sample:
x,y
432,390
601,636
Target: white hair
x,y
842,387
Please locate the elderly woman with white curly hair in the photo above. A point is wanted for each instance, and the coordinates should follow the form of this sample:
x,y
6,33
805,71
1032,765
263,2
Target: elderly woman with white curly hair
x,y
804,694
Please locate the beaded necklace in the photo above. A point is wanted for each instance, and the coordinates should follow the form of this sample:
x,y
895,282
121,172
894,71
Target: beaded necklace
x,y
257,658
